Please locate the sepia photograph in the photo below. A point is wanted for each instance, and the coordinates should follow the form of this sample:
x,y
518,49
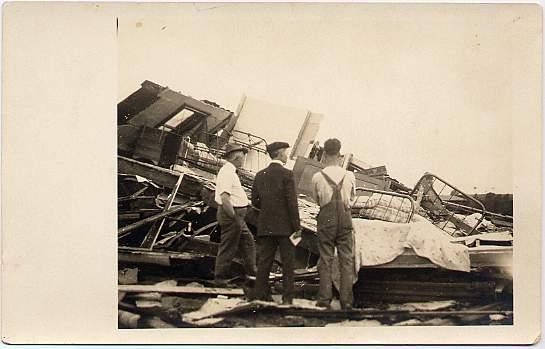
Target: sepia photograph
x,y
271,173
284,167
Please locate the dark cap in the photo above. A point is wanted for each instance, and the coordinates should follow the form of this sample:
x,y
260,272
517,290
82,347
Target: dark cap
x,y
232,147
276,146
332,146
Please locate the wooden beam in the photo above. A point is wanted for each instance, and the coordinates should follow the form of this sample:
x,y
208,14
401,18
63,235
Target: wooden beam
x,y
128,216
122,231
480,257
132,196
136,255
139,258
362,313
158,175
180,290
191,184
375,171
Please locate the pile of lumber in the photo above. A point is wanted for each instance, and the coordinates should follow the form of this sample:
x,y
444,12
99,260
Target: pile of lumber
x,y
167,304
162,304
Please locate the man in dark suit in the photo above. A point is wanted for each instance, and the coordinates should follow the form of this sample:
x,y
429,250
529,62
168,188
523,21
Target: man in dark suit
x,y
273,193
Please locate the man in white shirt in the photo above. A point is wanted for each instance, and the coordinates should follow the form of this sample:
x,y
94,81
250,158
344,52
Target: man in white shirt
x,y
334,190
232,206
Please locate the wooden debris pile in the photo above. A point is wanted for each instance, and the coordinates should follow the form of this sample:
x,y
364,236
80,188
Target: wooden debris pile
x,y
167,305
169,150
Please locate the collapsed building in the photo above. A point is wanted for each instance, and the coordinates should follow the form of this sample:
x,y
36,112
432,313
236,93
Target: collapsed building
x,y
170,148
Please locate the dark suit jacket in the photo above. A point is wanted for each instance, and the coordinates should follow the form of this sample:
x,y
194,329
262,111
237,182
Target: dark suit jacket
x,y
273,193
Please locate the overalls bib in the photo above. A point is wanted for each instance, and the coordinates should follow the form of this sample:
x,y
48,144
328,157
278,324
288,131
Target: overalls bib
x,y
335,213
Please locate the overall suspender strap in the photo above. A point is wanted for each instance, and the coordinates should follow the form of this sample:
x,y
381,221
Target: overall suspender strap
x,y
336,210
334,186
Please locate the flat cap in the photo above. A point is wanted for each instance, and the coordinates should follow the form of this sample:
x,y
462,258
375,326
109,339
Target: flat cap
x,y
276,146
232,147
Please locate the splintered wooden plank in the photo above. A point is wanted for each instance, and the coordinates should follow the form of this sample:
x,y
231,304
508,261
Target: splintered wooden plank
x,y
191,185
181,290
154,231
375,171
136,255
139,258
122,231
158,175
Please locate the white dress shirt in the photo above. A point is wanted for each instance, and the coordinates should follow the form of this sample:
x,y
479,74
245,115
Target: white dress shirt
x,y
227,181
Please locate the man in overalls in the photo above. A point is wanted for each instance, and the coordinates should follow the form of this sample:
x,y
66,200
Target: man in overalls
x,y
334,190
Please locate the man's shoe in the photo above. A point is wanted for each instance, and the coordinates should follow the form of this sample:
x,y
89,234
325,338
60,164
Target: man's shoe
x,y
268,298
347,307
287,301
221,283
323,304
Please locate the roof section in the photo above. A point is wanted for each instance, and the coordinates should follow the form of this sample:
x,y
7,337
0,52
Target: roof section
x,y
153,105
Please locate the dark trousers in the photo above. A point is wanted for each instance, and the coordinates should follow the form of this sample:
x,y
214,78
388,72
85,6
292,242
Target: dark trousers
x,y
334,232
235,237
267,246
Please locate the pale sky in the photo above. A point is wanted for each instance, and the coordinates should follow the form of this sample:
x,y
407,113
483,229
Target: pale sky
x,y
416,88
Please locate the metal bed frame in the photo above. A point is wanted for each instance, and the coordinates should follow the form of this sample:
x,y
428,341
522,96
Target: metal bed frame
x,y
405,198
426,185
